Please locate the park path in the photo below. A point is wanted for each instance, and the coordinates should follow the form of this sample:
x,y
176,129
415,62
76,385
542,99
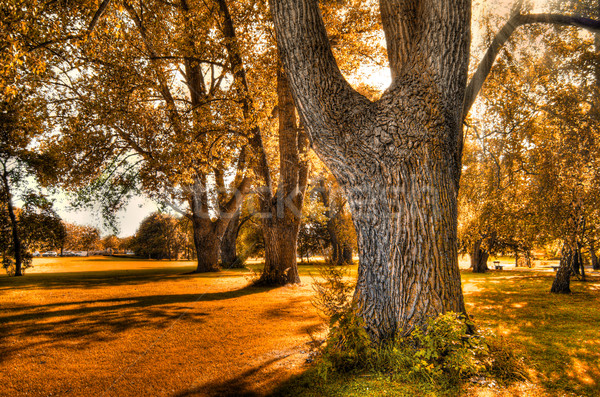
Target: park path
x,y
147,332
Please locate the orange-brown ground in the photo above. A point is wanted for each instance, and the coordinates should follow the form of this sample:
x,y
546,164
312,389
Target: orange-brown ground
x,y
105,327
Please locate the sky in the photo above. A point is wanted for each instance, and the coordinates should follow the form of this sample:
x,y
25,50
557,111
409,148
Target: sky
x,y
129,218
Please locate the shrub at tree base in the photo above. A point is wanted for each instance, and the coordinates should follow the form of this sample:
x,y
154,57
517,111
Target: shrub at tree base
x,y
443,351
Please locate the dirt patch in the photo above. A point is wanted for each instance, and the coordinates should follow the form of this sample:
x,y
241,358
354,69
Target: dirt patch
x,y
142,328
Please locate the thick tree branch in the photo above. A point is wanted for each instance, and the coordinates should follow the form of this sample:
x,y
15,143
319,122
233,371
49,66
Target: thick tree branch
x,y
485,66
317,84
239,75
97,15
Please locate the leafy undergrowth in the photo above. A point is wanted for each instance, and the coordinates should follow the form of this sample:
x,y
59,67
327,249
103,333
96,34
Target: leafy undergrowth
x,y
541,345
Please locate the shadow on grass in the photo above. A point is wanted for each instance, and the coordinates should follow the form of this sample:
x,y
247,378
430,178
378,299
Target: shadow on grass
x,y
103,278
77,324
242,385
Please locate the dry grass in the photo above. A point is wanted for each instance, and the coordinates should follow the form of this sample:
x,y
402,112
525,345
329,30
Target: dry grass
x,y
107,327
104,327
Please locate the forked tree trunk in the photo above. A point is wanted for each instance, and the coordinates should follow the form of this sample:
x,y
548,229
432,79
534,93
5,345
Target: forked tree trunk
x,y
562,281
208,233
396,159
479,258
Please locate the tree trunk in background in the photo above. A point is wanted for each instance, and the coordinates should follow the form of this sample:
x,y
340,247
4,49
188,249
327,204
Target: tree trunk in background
x,y
595,263
341,251
396,159
207,246
578,264
282,215
208,233
479,258
562,281
280,211
280,254
14,227
346,257
229,256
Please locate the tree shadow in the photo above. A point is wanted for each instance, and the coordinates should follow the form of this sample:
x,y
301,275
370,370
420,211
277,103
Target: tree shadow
x,y
242,385
104,278
78,324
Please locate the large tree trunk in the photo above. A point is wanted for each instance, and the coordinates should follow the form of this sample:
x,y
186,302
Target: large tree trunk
x,y
280,254
407,247
479,258
281,217
229,256
16,240
207,246
396,159
562,281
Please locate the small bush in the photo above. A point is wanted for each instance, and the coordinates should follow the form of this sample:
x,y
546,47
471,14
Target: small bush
x,y
9,264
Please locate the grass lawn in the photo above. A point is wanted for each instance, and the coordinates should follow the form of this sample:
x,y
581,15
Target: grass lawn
x,y
117,327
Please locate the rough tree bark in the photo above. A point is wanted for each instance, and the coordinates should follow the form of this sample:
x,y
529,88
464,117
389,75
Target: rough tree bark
x,y
398,158
479,257
562,281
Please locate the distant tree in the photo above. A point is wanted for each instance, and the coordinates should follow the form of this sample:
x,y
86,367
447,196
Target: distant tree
x,y
82,238
342,237
111,243
159,237
21,122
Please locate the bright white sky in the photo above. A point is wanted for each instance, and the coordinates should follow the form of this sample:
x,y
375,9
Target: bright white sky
x,y
140,207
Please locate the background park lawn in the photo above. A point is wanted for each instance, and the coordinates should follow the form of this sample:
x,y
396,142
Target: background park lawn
x,y
103,326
